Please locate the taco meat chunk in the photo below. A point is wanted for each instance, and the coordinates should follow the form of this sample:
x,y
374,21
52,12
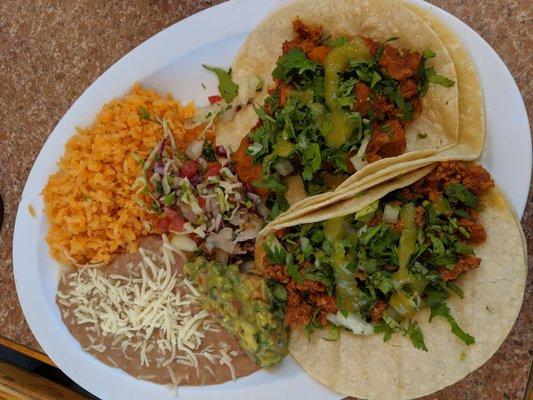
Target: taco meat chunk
x,y
278,273
465,264
409,89
362,98
298,313
420,217
387,140
304,299
308,37
476,231
247,171
376,312
283,89
319,54
477,180
382,107
474,177
398,64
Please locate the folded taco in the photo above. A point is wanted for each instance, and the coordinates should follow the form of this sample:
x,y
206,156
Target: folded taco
x,y
344,84
404,288
471,130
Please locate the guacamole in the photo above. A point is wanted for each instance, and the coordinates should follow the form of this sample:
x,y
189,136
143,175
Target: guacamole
x,y
249,307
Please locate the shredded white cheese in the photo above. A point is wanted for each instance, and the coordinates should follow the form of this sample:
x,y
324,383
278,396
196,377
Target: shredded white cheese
x,y
150,312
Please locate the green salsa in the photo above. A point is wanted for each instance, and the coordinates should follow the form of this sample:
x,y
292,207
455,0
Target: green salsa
x,y
249,307
342,125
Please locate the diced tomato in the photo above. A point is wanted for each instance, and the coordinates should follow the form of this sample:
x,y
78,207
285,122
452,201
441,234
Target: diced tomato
x,y
189,169
170,221
201,201
214,99
213,169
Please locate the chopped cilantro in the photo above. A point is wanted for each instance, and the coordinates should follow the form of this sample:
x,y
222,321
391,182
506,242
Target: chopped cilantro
x,y
311,160
438,79
263,115
416,336
275,252
383,327
226,86
169,199
271,183
294,273
457,193
313,325
428,54
292,64
456,289
438,307
375,79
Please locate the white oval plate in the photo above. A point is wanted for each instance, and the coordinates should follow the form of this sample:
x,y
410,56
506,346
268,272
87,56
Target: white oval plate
x,y
171,62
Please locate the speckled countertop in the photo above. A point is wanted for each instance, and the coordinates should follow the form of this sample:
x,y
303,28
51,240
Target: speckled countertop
x,y
50,51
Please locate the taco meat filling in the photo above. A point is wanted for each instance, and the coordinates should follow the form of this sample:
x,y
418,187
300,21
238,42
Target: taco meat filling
x,y
373,270
306,299
336,104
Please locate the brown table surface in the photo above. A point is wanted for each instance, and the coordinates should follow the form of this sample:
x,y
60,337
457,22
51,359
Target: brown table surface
x,y
50,51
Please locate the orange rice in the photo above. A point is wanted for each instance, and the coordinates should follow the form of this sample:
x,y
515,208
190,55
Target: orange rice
x,y
90,202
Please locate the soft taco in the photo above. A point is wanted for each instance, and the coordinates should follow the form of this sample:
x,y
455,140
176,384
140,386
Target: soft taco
x,y
471,130
342,85
397,290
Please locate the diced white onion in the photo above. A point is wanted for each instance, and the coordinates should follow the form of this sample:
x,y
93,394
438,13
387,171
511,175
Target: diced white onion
x,y
255,148
362,148
353,322
390,213
195,149
183,243
303,242
357,162
284,167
